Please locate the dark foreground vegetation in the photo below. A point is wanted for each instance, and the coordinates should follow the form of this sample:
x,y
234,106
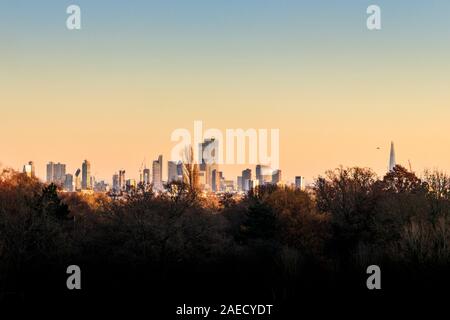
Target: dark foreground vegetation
x,y
294,249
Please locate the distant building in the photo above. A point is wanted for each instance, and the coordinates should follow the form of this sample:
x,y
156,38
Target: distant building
x,y
28,169
172,171
56,173
299,182
93,182
246,177
50,172
392,162
130,184
157,168
239,183
252,184
215,180
208,152
263,174
68,182
146,177
276,176
101,186
86,175
122,185
115,183
228,186
78,180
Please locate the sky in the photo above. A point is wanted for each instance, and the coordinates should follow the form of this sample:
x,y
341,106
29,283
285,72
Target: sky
x,y
114,91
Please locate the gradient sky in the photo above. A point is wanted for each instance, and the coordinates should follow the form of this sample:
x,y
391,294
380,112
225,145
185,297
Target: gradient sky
x,y
114,91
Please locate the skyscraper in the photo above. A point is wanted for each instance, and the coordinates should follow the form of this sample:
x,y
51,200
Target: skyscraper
x,y
122,185
239,183
78,180
299,182
56,173
115,183
276,176
86,175
208,159
157,169
215,180
146,176
392,163
246,177
172,171
28,169
50,171
68,182
263,174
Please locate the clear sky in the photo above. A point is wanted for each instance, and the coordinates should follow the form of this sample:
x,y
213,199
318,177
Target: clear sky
x,y
114,91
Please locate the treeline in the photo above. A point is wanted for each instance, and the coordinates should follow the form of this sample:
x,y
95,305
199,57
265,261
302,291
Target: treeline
x,y
274,244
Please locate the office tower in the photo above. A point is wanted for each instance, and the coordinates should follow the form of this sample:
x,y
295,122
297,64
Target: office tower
x,y
263,174
246,177
93,181
172,171
50,174
116,185
101,186
392,163
180,169
276,176
122,185
157,169
56,173
146,177
215,180
68,182
78,180
252,184
239,183
299,182
208,159
59,173
130,184
86,175
28,169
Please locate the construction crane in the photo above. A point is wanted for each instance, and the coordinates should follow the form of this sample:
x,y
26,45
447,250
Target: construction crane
x,y
410,167
141,176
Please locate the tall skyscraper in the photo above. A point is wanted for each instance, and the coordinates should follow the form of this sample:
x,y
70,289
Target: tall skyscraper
x,y
122,184
263,174
299,182
28,169
215,180
146,176
50,170
239,183
78,180
157,169
172,171
392,163
115,183
246,177
68,182
86,175
208,159
56,173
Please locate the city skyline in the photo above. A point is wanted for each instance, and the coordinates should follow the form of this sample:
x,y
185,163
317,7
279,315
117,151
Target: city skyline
x,y
114,91
209,174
